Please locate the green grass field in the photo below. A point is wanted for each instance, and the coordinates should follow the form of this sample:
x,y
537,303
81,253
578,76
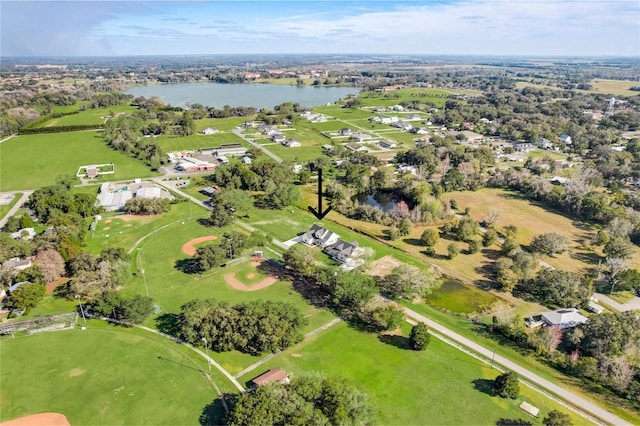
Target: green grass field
x,y
105,375
89,116
169,144
440,386
33,161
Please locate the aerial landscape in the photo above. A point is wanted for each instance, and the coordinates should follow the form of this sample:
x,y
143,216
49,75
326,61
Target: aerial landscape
x,y
319,213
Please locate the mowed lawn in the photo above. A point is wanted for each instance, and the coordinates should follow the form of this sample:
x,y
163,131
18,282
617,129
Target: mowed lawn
x,y
90,116
440,386
104,375
33,161
170,287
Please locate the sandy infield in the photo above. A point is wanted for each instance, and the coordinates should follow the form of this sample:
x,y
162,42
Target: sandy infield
x,y
189,248
42,419
235,283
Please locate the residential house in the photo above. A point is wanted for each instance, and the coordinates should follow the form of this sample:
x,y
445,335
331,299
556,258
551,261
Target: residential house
x,y
16,264
387,144
291,143
341,250
276,375
24,234
356,136
356,147
246,159
523,147
389,120
565,138
564,318
319,236
278,137
544,143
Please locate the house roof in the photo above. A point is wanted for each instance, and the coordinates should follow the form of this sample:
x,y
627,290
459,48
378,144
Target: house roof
x,y
565,318
275,375
341,248
317,232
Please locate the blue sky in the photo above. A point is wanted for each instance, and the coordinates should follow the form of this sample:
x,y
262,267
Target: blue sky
x,y
498,27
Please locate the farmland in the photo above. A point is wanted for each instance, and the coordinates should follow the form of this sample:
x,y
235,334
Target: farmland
x,y
60,154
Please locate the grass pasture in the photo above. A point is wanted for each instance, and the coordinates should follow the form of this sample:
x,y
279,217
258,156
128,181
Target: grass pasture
x,y
196,141
92,116
440,386
614,87
532,219
105,375
33,161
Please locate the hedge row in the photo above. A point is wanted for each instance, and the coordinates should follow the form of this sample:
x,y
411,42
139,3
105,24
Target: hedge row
x,y
59,129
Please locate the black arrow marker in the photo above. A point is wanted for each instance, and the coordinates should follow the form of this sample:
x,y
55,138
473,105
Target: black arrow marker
x,y
319,214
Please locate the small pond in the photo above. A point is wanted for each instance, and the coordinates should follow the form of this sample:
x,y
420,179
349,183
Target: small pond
x,y
456,296
384,201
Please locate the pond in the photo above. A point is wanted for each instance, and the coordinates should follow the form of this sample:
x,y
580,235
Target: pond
x,y
384,201
456,296
217,95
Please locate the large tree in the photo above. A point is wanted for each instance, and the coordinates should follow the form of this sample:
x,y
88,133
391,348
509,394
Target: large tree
x,y
51,265
550,243
506,385
409,282
301,259
308,399
26,296
561,288
419,338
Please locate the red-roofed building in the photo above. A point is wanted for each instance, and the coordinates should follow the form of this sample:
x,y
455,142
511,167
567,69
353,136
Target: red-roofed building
x,y
275,375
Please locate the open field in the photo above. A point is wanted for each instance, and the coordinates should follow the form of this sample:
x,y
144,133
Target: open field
x,y
531,219
33,161
169,143
171,288
615,87
90,116
438,386
110,376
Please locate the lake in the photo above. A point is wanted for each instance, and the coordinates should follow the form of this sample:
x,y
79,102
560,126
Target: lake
x,y
217,95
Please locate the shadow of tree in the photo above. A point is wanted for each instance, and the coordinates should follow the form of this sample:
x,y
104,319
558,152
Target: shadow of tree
x,y
513,422
214,413
168,324
400,342
188,266
413,241
484,385
204,222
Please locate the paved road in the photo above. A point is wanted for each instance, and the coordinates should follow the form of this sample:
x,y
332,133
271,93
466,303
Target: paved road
x,y
631,305
567,395
16,207
238,132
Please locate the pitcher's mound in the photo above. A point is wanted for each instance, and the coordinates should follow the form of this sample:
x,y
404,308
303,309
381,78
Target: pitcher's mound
x,y
42,419
189,248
